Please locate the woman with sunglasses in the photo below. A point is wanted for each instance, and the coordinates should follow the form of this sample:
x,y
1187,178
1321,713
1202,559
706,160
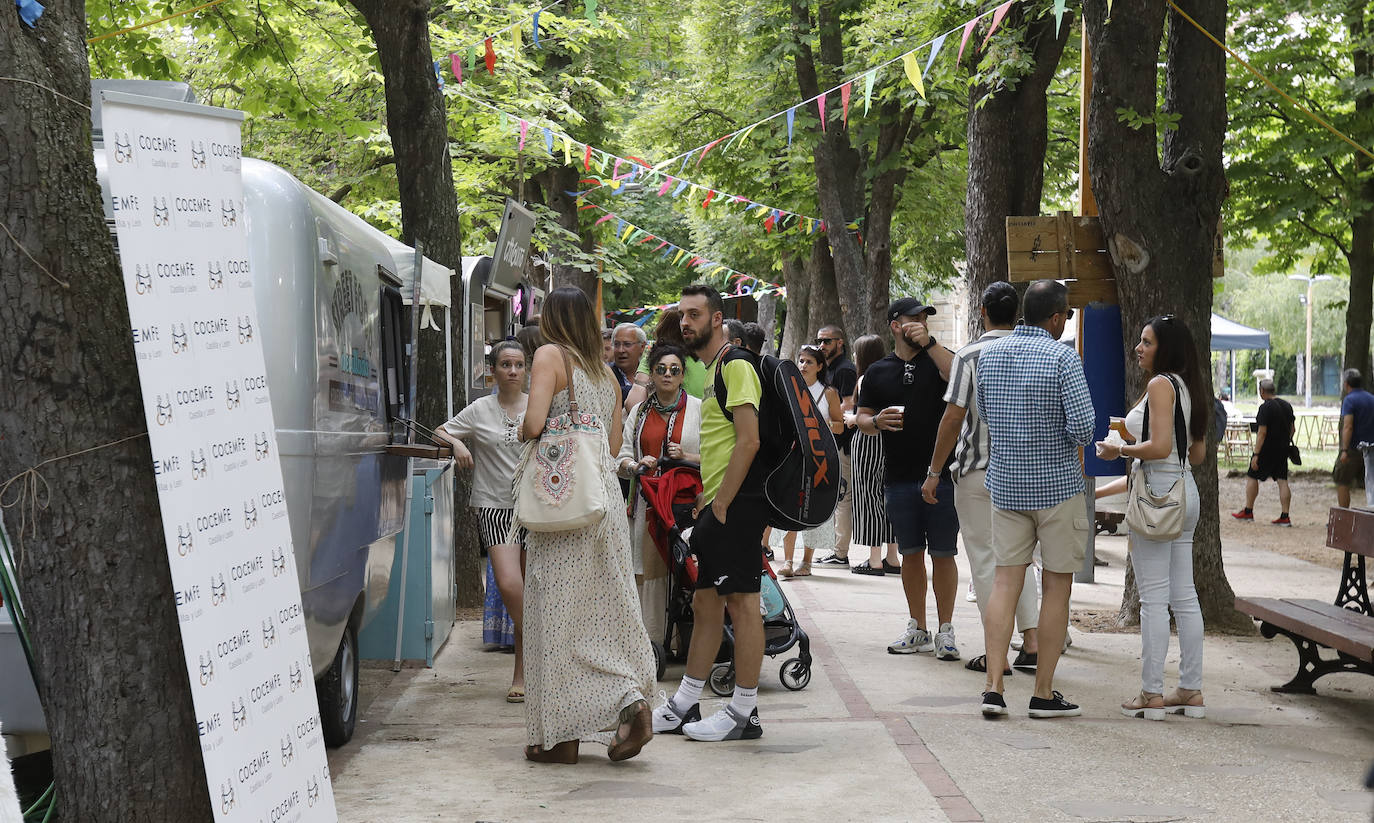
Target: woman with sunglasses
x,y
811,361
666,425
1164,568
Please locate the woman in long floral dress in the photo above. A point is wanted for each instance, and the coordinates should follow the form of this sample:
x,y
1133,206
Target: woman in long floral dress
x,y
588,662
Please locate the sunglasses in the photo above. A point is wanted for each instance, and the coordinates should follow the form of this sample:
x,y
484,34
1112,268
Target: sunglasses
x,y
821,341
1068,314
909,374
662,370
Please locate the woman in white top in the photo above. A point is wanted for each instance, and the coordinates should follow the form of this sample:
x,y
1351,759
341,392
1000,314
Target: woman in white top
x,y
1164,568
827,401
667,424
490,424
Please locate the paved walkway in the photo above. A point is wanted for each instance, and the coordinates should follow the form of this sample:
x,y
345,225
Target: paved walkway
x,y
879,737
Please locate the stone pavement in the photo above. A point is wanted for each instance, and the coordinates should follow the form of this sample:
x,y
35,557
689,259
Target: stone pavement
x,y
879,737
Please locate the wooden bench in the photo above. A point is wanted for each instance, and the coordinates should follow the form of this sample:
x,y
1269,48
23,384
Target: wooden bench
x,y
1346,627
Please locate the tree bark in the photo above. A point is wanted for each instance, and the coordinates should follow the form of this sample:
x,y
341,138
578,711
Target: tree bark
x,y
823,306
768,318
796,275
555,181
1160,214
94,570
418,127
1007,137
1360,308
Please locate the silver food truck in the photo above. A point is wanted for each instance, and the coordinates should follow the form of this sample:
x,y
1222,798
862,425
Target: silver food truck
x,y
329,296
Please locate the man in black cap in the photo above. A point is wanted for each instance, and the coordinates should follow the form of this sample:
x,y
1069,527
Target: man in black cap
x,y
902,398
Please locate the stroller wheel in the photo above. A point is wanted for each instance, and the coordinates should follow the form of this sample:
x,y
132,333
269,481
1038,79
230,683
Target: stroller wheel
x,y
794,674
660,661
722,679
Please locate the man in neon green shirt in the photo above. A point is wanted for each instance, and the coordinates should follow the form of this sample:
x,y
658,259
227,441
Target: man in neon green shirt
x,y
726,539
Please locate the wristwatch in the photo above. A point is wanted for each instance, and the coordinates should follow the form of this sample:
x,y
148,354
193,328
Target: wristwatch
x,y
930,473
929,344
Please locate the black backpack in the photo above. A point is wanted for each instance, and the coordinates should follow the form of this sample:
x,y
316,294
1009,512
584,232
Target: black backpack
x,y
797,458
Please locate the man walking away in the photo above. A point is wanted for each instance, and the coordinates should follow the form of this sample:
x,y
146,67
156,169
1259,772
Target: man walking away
x,y
754,337
1034,400
839,374
1357,436
901,399
1277,425
732,514
961,423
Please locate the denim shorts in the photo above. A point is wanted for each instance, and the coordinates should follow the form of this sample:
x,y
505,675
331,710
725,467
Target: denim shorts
x,y
922,526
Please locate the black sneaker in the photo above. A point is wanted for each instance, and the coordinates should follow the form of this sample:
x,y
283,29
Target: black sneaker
x,y
1026,661
1056,706
833,560
994,705
668,720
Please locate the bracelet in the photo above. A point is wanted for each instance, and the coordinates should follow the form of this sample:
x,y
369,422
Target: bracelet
x,y
929,345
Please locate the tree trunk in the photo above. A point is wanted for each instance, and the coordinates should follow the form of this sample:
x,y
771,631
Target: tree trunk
x,y
1360,307
1160,214
418,128
556,181
768,318
823,306
796,275
1007,136
94,571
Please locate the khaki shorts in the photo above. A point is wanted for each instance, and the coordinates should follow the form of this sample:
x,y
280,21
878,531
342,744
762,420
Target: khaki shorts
x,y
1062,531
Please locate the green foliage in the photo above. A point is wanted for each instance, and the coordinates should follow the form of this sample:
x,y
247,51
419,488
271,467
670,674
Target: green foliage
x,y
1166,121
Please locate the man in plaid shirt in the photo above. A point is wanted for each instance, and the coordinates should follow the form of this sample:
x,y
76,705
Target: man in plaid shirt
x,y
1034,400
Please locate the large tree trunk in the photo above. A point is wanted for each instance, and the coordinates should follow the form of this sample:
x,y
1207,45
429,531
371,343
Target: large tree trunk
x,y
418,128
823,306
94,570
796,275
1160,214
1007,134
556,181
1360,307
768,317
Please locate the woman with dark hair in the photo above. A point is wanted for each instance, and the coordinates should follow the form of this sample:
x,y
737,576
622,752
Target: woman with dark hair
x,y
666,426
669,330
1164,568
489,423
871,527
589,662
810,360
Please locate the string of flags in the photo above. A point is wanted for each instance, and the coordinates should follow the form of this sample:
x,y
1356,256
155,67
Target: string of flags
x,y
633,235
911,67
455,60
739,285
627,171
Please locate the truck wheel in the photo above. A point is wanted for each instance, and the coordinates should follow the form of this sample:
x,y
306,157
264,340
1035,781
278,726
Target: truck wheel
x,y
338,692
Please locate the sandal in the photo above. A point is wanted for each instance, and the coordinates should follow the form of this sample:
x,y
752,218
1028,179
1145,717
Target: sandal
x,y
866,568
641,731
786,570
516,694
565,753
1185,702
892,568
1146,704
980,664
804,570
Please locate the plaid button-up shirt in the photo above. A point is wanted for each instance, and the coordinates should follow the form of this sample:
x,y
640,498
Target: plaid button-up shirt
x,y
1034,400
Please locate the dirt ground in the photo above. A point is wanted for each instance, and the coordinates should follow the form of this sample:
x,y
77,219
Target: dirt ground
x,y
1313,495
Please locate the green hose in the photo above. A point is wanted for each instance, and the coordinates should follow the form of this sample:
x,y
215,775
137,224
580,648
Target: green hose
x,y
9,592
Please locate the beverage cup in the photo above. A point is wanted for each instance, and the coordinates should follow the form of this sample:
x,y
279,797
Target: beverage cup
x,y
901,410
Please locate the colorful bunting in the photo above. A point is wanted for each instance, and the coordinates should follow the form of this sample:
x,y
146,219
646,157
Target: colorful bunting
x,y
472,59
868,88
968,29
913,73
791,116
587,159
490,57
439,73
457,68
667,181
524,129
710,195
591,10
548,140
820,107
997,16
680,187
940,41
567,150
1059,14
844,101
534,29
515,38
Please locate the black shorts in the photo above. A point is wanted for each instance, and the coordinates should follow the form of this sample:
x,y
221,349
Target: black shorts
x,y
1270,467
730,556
1351,472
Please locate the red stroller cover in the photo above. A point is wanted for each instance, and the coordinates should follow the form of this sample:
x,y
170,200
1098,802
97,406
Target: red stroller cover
x,y
676,486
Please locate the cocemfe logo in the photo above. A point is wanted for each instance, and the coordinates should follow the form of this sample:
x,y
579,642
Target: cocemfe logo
x,y
265,689
278,561
164,410
228,213
143,278
296,676
312,790
216,275
235,643
123,148
269,633
250,769
207,668
288,750
215,519
162,213
308,727
209,725
250,513
184,542
198,154
180,342
193,395
171,464
226,797
200,467
219,590
245,329
261,446
231,395
239,711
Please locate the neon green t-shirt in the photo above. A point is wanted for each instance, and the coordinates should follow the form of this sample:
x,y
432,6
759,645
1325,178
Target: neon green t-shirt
x,y
742,388
694,378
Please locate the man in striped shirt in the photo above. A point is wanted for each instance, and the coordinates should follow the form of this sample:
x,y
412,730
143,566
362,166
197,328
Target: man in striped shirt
x,y
964,433
1033,397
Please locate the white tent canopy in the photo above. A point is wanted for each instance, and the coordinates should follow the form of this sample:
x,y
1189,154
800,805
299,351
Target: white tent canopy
x,y
1228,335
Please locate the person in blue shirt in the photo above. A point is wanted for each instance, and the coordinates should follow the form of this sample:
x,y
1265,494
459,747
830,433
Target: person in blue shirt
x,y
1357,437
1033,398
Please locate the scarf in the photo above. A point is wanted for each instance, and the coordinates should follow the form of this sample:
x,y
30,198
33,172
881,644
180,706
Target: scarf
x,y
671,413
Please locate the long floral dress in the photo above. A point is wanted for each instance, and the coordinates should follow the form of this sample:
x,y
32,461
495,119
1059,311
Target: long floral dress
x,y
587,655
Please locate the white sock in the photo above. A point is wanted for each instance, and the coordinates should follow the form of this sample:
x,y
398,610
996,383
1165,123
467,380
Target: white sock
x,y
744,700
688,692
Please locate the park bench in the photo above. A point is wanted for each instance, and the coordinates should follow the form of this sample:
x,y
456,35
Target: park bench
x,y
1347,627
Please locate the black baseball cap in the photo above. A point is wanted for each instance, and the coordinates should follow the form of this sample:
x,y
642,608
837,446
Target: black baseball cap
x,y
907,307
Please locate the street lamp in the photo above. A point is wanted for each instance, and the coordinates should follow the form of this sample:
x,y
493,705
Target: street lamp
x,y
1307,362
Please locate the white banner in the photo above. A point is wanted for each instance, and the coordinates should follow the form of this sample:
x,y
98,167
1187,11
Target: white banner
x,y
177,191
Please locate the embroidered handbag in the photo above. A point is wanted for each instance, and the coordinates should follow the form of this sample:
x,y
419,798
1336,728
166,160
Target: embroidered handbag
x,y
1158,516
560,484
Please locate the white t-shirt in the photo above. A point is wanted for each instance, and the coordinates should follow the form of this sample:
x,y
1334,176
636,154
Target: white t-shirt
x,y
491,436
1135,424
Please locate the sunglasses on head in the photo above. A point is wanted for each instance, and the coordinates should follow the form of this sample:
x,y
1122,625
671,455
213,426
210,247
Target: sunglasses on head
x,y
662,370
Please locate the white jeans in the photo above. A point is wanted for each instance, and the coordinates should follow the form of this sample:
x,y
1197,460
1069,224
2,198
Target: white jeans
x,y
1164,576
1368,452
974,505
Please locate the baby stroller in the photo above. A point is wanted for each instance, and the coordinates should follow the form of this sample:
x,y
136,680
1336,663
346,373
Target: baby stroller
x,y
670,497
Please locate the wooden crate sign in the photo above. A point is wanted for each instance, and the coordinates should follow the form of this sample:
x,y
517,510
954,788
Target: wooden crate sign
x,y
1083,292
1063,247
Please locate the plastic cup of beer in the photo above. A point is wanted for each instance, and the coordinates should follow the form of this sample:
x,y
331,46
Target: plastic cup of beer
x,y
1118,425
901,410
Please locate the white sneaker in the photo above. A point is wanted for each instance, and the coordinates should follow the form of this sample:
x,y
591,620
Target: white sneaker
x,y
944,643
972,595
725,725
669,720
913,640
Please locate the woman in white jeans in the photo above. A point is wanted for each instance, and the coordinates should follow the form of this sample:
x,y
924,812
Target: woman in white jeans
x,y
1164,568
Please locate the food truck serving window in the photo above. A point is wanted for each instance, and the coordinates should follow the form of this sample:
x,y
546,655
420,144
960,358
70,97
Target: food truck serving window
x,y
395,376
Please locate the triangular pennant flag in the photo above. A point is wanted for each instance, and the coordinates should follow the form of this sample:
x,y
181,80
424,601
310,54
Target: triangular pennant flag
x,y
913,73
490,57
586,158
472,59
671,248
457,67
680,187
770,223
1109,9
662,190
820,108
534,29
439,73
524,128
1059,14
661,245
791,116
647,237
567,150
708,148
615,170
604,219
591,10
940,41
968,29
997,21
515,39
845,91
868,88
747,132
619,224
548,140
625,238
680,253
601,164
709,195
